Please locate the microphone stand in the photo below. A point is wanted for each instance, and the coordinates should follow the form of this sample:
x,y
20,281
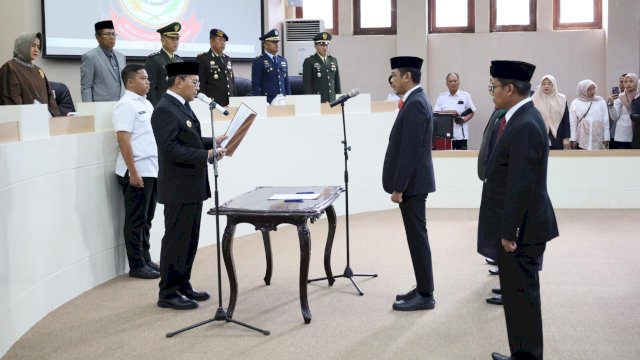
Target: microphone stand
x,y
221,313
348,273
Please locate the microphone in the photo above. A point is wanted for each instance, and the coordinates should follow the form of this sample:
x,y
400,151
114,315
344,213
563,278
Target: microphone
x,y
212,104
343,98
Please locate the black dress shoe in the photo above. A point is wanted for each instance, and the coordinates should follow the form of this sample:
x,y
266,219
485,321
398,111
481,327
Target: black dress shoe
x,y
491,261
144,272
494,272
408,295
495,300
178,302
153,265
195,295
496,291
417,302
496,356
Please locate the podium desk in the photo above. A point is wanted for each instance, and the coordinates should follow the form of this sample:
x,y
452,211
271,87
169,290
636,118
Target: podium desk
x,y
255,208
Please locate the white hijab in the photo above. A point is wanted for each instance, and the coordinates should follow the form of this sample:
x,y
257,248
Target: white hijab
x,y
582,91
551,106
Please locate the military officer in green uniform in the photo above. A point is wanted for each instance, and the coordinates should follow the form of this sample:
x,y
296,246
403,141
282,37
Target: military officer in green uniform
x,y
216,73
169,37
320,74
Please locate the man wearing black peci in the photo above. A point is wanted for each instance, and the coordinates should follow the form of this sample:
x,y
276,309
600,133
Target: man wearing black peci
x,y
408,175
183,184
516,214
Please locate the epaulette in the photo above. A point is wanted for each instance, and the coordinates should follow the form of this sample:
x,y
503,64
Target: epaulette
x,y
155,53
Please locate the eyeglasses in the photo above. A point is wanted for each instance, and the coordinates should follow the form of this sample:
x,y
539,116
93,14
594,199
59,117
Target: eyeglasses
x,y
492,88
195,83
109,34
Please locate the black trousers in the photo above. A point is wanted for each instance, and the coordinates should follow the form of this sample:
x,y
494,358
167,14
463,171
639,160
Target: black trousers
x,y
179,246
413,209
459,144
139,209
521,298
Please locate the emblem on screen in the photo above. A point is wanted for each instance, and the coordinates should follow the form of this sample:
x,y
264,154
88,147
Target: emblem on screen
x,y
154,13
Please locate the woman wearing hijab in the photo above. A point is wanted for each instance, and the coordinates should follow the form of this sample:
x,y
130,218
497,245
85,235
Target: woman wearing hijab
x,y
22,82
553,107
589,119
621,112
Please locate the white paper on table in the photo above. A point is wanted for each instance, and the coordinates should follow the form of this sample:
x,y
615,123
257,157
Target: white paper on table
x,y
294,196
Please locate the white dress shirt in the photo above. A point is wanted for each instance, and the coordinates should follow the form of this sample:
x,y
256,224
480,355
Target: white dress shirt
x,y
459,102
132,113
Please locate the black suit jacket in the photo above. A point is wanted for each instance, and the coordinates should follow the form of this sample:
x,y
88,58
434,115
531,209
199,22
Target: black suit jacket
x,y
635,111
182,153
515,203
408,167
484,152
63,97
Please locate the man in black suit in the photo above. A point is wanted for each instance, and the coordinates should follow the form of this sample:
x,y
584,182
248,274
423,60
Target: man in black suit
x,y
515,211
408,175
487,247
183,184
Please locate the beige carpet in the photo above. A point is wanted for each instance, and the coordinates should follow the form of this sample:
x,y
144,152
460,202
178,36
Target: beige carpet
x,y
590,289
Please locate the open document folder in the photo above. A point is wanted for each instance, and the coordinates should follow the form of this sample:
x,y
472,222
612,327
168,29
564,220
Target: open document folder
x,y
238,128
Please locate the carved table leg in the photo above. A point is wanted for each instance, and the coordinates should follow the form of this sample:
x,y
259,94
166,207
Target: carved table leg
x,y
331,218
227,254
305,252
267,252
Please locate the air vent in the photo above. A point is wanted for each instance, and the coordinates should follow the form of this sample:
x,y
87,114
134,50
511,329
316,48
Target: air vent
x,y
302,30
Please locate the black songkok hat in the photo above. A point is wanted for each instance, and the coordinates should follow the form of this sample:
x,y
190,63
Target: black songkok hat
x,y
399,62
272,35
322,38
182,68
219,33
171,30
513,70
101,25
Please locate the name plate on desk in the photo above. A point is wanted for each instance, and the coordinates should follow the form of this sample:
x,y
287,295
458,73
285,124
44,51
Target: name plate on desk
x,y
67,125
33,120
281,111
9,132
325,109
102,112
384,106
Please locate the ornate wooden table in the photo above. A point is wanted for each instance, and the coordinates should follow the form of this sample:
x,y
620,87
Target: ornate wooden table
x,y
255,208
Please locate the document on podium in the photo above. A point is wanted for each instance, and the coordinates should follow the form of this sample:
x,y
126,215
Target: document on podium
x,y
297,196
238,128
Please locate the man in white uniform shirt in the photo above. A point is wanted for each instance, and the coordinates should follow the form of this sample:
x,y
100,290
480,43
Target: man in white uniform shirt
x,y
137,169
456,102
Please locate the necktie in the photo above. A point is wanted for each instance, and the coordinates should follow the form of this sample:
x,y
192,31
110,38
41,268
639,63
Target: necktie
x,y
114,65
503,123
400,104
186,104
